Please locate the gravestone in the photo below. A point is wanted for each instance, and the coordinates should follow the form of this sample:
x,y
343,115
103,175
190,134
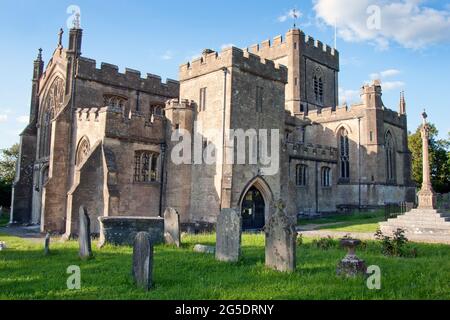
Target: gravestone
x,y
47,244
143,261
172,227
2,245
281,237
351,265
228,235
200,248
84,234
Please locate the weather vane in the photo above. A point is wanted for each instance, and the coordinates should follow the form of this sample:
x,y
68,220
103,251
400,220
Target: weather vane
x,y
295,16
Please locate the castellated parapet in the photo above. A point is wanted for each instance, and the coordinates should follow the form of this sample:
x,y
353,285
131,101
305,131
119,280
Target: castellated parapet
x,y
109,74
135,127
237,58
177,104
309,151
279,46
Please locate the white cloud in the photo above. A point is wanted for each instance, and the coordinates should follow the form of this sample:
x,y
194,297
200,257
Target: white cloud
x,y
384,74
389,73
407,22
387,85
168,55
392,85
291,14
348,96
23,119
3,117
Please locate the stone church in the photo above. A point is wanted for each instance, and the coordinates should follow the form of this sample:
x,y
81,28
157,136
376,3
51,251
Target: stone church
x,y
103,139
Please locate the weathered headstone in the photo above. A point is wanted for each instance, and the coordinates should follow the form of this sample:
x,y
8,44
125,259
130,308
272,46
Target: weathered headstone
x,y
84,234
172,227
200,248
47,244
228,235
281,238
2,245
143,261
351,265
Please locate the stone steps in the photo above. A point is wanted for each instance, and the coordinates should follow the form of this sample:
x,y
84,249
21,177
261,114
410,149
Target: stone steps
x,y
418,223
426,220
416,228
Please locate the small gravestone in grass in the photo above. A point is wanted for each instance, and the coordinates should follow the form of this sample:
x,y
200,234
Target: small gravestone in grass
x,y
84,234
351,265
200,248
143,261
172,227
228,235
281,237
47,244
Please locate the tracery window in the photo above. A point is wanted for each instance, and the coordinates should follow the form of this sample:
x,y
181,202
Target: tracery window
x,y
51,106
300,175
156,110
326,177
390,157
116,102
82,151
344,155
318,85
145,166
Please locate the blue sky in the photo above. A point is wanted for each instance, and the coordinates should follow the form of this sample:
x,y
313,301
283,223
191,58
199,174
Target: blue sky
x,y
409,50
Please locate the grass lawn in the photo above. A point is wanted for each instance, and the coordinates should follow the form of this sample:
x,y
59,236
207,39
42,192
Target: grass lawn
x,y
355,222
25,273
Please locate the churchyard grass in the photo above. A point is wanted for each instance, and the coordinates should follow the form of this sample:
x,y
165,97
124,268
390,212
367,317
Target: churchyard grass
x,y
26,273
355,222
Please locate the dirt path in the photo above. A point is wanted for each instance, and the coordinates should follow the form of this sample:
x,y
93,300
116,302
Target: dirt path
x,y
311,227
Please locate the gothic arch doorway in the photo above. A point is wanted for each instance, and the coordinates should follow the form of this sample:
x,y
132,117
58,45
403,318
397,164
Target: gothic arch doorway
x,y
255,204
253,209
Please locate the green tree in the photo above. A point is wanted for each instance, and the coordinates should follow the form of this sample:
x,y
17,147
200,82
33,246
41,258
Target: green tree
x,y
8,158
439,159
8,161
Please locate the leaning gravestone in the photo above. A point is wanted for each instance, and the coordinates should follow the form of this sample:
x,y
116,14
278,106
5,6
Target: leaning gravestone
x,y
84,234
281,239
143,261
172,227
228,235
47,244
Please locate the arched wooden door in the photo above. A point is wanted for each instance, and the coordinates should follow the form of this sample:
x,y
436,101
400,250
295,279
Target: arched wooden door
x,y
253,210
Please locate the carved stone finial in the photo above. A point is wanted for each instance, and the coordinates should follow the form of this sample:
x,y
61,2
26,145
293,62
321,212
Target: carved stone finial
x,y
39,57
60,35
76,21
424,115
402,103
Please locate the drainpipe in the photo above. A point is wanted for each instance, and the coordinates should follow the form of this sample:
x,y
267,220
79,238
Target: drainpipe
x,y
161,187
225,72
317,187
359,163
